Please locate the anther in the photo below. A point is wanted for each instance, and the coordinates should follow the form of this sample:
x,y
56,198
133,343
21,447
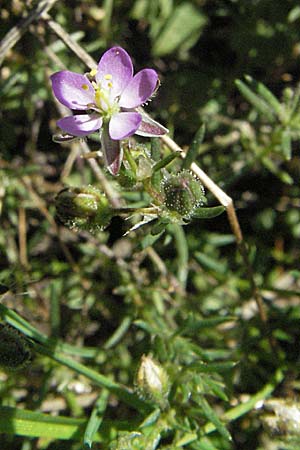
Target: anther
x,y
93,72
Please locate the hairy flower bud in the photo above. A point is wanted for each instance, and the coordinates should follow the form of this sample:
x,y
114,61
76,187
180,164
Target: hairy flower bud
x,y
14,348
152,382
84,208
183,193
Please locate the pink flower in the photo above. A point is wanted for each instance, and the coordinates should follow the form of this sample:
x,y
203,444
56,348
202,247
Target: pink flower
x,y
109,96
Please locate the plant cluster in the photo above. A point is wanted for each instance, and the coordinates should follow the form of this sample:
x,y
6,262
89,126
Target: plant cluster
x,y
134,312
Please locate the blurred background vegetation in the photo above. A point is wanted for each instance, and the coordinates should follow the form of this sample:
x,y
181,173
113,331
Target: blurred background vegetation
x,y
186,300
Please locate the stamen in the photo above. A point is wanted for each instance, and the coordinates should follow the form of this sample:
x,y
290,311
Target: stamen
x,y
93,72
85,87
108,76
109,84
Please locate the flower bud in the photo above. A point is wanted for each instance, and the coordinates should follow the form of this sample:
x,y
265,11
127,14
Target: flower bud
x,y
84,208
14,348
183,193
152,382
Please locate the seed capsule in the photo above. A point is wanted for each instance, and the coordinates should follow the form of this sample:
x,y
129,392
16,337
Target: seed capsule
x,y
84,208
182,193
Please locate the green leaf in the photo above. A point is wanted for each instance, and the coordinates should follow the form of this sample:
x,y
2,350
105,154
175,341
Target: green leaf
x,y
95,419
208,213
186,439
192,152
281,174
216,388
185,23
150,239
259,104
266,95
192,324
151,419
213,367
164,162
286,144
34,424
211,263
244,408
212,417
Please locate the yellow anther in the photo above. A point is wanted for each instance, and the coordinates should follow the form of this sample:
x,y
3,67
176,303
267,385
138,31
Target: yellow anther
x,y
85,87
97,95
108,76
93,72
109,84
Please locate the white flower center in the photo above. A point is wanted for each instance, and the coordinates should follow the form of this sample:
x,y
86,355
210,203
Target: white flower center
x,y
105,101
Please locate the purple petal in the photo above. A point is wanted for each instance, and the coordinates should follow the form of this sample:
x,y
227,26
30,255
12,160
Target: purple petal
x,y
80,125
72,89
124,124
150,128
140,89
112,153
115,70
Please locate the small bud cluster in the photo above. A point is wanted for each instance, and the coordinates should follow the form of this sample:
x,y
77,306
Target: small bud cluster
x,y
152,382
84,208
183,193
14,348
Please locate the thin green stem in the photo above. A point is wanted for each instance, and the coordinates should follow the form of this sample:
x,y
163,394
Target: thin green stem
x,y
182,252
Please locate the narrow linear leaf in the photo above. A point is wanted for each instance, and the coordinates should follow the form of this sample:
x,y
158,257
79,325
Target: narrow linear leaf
x,y
118,334
95,419
164,162
259,104
208,213
212,417
101,380
34,424
214,367
286,143
150,240
186,439
211,263
185,23
216,388
192,152
244,408
267,95
192,325
13,319
279,173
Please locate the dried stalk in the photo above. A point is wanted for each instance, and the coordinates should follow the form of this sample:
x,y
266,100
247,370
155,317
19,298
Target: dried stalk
x,y
15,33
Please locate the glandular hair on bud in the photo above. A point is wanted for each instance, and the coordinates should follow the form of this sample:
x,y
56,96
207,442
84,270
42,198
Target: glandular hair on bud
x,y
183,193
15,352
152,381
84,208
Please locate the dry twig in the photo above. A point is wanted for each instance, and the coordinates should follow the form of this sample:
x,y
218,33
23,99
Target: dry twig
x,y
15,33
